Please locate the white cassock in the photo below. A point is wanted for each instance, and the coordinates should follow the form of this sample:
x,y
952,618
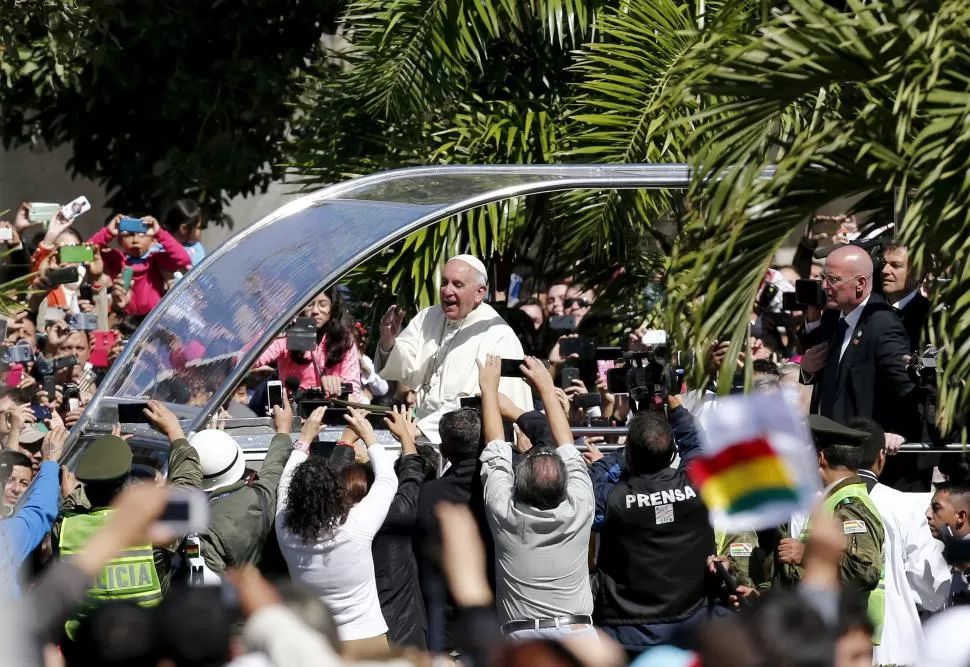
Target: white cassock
x,y
436,358
916,573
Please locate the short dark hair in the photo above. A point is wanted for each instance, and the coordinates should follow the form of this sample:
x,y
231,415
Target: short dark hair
x,y
431,461
786,631
843,456
872,445
182,212
461,434
203,642
10,458
540,479
764,367
650,442
960,488
115,634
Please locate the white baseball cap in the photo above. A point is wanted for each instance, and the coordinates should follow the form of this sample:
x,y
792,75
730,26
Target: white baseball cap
x,y
221,458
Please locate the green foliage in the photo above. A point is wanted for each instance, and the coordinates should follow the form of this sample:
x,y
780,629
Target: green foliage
x,y
159,100
869,102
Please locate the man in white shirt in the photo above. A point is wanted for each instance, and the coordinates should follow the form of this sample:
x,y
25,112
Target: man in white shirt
x,y
916,575
436,354
857,352
540,513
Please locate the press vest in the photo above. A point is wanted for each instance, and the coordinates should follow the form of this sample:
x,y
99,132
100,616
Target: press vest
x,y
877,598
654,544
129,576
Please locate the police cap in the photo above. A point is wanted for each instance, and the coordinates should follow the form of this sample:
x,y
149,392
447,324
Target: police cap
x,y
107,458
827,432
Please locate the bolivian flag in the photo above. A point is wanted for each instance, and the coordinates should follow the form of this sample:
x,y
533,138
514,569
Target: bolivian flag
x,y
758,465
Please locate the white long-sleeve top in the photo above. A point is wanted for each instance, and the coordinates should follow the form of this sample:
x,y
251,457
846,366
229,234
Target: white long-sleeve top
x,y
916,573
341,569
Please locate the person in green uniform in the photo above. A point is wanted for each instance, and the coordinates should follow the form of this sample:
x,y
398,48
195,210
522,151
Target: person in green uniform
x,y
845,497
743,556
141,573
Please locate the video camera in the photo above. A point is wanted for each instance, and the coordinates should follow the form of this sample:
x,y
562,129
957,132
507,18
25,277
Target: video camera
x,y
923,369
649,378
308,400
808,293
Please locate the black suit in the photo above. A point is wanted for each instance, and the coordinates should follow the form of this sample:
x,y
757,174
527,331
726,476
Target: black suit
x,y
871,379
914,315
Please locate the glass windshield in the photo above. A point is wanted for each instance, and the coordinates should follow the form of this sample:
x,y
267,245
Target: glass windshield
x,y
226,311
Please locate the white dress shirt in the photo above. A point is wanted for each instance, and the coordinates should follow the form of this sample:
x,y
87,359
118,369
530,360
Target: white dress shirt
x,y
902,303
852,319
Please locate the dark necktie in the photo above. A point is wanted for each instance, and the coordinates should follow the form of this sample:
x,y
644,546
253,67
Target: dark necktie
x,y
830,376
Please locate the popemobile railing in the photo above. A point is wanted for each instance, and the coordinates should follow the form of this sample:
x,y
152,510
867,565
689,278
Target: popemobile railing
x,y
256,443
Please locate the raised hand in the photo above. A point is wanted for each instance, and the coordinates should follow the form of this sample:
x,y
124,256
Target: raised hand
x,y
164,421
489,374
313,424
391,327
357,420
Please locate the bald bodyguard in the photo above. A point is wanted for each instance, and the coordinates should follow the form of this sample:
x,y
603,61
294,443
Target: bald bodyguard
x,y
856,359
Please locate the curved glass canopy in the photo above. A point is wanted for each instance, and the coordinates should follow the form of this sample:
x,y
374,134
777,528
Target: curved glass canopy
x,y
198,343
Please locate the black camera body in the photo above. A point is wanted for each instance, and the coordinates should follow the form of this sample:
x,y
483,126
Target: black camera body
x,y
807,293
647,377
301,336
308,400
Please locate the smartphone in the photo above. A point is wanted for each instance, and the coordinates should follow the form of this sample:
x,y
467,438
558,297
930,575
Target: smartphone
x,y
186,511
42,212
20,353
126,276
6,234
15,376
567,375
598,422
76,254
562,322
86,293
474,402
63,276
102,342
41,412
587,401
132,413
75,208
584,349
274,394
72,394
132,226
50,387
511,368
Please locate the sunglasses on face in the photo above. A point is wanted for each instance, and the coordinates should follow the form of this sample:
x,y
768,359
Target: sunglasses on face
x,y
579,303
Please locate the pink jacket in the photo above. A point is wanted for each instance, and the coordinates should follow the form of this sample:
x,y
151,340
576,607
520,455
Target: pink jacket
x,y
148,279
348,369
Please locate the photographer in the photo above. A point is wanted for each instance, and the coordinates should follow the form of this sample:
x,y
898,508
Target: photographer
x,y
539,512
655,535
334,361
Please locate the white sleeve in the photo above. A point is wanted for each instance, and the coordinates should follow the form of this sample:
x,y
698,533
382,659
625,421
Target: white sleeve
x,y
367,517
403,361
926,570
283,492
579,485
287,642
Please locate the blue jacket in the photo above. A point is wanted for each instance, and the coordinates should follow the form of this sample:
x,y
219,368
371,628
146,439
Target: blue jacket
x,y
606,472
23,532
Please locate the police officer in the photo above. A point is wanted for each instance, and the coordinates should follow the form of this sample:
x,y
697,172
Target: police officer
x,y
655,535
845,497
140,573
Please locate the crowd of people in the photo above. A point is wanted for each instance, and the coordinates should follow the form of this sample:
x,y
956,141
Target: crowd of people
x,y
496,536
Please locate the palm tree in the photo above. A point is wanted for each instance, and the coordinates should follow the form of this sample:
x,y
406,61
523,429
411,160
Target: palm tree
x,y
872,103
502,81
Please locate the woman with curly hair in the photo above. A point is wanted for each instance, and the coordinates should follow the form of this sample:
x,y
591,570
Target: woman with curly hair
x,y
335,359
326,520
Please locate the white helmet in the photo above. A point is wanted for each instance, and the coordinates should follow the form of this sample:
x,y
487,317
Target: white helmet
x,y
221,457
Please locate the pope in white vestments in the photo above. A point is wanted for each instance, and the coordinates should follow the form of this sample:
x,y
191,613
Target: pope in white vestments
x,y
436,354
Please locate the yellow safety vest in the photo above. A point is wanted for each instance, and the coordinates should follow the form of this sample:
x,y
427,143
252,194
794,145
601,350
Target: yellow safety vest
x,y
877,597
129,576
